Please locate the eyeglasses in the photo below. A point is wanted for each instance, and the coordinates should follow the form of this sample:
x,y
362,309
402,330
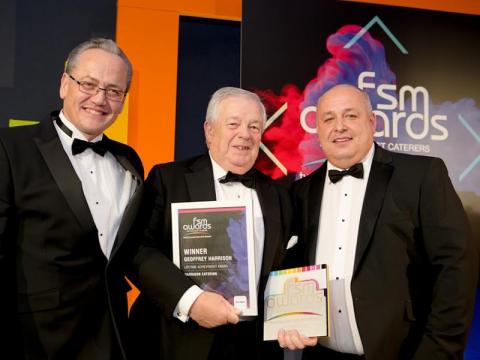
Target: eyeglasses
x,y
90,88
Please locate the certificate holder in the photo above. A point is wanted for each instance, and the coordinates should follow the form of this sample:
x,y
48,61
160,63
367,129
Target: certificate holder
x,y
213,244
298,299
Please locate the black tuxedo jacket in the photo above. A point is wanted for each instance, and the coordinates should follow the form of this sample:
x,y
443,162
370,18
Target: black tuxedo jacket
x,y
61,298
157,332
416,265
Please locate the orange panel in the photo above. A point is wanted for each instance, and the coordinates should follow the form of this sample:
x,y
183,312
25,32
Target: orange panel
x,y
225,9
150,40
459,6
147,30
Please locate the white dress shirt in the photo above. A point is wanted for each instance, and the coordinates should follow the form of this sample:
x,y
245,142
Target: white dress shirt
x,y
229,191
339,221
107,186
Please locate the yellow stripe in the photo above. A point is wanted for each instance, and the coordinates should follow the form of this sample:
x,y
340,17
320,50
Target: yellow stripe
x,y
18,122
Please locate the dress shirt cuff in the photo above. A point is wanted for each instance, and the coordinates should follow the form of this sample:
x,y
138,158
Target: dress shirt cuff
x,y
185,303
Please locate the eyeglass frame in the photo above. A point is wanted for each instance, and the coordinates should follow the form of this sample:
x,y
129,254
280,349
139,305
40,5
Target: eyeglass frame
x,y
97,89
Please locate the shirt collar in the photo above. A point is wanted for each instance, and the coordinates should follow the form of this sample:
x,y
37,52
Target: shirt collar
x,y
218,171
366,161
76,134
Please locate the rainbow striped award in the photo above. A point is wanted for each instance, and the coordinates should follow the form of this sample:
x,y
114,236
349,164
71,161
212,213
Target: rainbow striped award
x,y
297,299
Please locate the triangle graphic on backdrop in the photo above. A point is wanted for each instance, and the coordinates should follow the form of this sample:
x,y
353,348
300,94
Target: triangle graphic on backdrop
x,y
377,20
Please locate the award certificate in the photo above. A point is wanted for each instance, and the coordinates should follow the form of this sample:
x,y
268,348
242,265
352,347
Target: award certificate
x,y
297,299
213,244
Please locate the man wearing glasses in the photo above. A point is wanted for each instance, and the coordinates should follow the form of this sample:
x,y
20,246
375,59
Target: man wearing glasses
x,y
68,199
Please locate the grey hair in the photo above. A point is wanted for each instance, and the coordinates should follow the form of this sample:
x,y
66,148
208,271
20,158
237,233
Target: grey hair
x,y
223,93
107,45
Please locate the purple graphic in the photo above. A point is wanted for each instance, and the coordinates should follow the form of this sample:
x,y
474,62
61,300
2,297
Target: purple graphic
x,y
344,67
236,279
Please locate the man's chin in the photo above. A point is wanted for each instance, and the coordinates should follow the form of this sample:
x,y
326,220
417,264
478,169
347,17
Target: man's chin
x,y
241,167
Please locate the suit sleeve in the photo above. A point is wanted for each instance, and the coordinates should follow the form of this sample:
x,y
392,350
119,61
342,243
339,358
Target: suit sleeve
x,y
161,281
453,259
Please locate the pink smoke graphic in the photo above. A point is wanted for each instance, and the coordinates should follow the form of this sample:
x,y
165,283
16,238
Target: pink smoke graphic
x,y
296,149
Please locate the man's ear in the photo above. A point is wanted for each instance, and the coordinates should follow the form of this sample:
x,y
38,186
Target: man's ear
x,y
373,122
63,86
208,129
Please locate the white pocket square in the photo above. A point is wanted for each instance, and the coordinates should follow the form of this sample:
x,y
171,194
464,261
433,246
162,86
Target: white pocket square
x,y
291,243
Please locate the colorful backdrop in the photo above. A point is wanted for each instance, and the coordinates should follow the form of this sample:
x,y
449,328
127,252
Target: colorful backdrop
x,y
36,37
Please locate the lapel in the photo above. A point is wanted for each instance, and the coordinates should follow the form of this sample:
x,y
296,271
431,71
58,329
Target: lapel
x,y
121,157
131,210
200,183
63,173
128,217
312,211
378,180
270,205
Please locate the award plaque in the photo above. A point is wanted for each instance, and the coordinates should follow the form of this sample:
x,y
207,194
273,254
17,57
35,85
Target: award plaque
x,y
297,299
213,244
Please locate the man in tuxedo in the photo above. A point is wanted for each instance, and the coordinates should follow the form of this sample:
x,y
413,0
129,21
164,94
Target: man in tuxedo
x,y
233,128
68,197
403,264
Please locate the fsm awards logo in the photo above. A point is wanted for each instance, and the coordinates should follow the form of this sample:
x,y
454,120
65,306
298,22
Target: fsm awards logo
x,y
409,119
198,226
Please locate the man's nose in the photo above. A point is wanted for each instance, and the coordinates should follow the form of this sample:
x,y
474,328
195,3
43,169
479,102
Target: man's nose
x,y
339,124
100,98
244,131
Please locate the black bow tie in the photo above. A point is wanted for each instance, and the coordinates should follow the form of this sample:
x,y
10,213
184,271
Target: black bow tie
x,y
247,179
355,171
79,146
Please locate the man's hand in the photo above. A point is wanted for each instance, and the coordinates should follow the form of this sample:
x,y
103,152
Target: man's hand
x,y
292,340
211,310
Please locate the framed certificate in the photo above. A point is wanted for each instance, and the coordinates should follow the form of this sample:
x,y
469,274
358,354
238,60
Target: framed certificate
x,y
297,298
213,244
